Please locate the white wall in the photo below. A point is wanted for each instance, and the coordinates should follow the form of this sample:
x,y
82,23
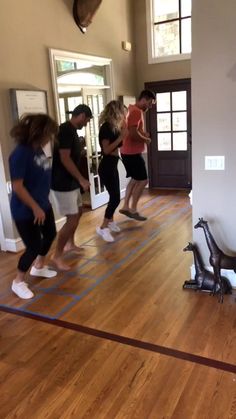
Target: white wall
x,y
214,119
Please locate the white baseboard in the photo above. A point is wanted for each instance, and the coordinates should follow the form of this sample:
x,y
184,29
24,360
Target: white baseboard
x,y
228,273
16,245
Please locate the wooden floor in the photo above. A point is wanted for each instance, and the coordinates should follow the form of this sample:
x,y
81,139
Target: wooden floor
x,y
117,336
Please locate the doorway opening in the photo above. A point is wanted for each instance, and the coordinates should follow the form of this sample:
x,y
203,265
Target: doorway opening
x,y
79,78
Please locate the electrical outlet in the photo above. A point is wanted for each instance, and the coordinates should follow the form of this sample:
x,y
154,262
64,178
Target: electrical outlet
x,y
214,162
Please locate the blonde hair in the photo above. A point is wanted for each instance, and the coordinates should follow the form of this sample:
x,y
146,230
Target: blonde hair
x,y
113,113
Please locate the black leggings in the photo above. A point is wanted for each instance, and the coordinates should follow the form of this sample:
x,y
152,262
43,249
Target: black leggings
x,y
109,176
37,239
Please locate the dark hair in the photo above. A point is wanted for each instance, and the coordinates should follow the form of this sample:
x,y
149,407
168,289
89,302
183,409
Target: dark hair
x,y
147,94
32,129
81,109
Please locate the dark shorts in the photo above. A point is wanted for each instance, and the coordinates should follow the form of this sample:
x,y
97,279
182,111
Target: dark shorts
x,y
135,166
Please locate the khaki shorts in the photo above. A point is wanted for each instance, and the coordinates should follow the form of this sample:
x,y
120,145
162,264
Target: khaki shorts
x,y
67,203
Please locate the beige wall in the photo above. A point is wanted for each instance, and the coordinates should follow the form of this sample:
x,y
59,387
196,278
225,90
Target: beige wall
x,y
213,119
153,72
29,27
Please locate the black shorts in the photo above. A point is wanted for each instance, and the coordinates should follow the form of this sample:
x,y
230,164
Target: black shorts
x,y
135,166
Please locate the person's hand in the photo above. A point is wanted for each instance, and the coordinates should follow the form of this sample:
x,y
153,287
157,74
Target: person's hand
x,y
148,140
39,215
85,184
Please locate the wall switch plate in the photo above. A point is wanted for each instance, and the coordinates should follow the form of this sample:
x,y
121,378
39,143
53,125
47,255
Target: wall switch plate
x,y
214,162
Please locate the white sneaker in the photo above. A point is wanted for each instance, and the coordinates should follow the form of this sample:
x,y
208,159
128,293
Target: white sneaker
x,y
21,290
114,227
105,234
44,272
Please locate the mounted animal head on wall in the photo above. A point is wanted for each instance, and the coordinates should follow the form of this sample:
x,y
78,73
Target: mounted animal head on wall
x,y
84,11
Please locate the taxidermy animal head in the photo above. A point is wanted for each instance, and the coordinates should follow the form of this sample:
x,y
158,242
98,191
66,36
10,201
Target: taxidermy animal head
x,y
84,11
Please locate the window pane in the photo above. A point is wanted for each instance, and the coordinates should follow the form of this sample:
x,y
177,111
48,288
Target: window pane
x,y
163,122
96,185
166,38
163,101
179,121
179,101
62,110
166,10
186,36
186,8
180,141
164,142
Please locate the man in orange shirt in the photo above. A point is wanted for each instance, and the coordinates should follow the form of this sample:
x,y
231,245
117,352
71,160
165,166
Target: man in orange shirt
x,y
131,153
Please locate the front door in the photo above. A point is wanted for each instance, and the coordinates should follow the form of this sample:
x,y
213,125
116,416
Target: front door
x,y
169,124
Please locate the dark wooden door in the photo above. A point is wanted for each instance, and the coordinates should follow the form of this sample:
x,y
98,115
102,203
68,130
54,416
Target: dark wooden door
x,y
169,123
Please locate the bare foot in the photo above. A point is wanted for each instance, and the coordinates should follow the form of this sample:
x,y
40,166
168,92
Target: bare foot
x,y
60,265
73,248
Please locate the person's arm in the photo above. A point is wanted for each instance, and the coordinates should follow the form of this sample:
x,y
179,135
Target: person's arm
x,y
72,168
108,147
134,120
138,135
26,198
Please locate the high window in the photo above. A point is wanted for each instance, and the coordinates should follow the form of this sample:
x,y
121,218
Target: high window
x,y
169,29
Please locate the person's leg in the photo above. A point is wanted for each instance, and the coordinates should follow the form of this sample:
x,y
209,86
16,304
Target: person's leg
x,y
110,179
48,234
31,237
64,235
136,193
67,204
128,194
112,184
140,174
70,244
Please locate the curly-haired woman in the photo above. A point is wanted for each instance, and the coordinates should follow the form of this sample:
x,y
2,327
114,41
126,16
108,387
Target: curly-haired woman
x,y
30,171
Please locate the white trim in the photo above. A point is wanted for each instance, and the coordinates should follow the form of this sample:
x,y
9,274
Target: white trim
x,y
16,245
150,40
2,236
169,58
57,54
228,273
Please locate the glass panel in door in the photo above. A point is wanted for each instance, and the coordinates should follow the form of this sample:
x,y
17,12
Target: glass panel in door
x,y
96,100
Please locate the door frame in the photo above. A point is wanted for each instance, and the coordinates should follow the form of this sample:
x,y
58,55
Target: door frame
x,y
57,54
158,87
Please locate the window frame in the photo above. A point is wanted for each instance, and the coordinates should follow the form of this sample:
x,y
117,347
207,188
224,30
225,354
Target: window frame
x,y
152,59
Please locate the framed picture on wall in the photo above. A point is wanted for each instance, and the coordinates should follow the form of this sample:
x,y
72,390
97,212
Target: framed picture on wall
x,y
25,101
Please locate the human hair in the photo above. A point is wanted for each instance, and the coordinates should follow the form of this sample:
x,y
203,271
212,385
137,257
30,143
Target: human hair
x,y
147,94
82,108
113,113
33,129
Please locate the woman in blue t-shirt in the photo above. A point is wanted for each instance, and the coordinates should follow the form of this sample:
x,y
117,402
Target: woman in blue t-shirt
x,y
30,171
111,133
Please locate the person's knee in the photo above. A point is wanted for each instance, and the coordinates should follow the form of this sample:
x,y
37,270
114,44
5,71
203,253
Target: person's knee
x,y
142,183
33,252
